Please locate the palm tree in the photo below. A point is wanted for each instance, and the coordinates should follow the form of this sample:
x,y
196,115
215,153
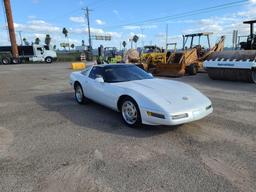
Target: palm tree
x,y
37,41
47,40
72,46
83,43
65,32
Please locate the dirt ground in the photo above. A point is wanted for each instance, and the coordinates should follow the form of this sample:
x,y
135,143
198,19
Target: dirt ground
x,y
49,143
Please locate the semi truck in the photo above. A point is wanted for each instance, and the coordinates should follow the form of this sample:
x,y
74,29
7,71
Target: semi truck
x,y
34,53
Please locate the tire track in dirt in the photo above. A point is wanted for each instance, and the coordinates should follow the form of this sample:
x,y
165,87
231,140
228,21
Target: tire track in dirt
x,y
6,139
214,133
77,177
74,178
234,171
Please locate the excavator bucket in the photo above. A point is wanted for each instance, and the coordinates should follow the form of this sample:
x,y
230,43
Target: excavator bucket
x,y
169,70
237,65
173,68
177,64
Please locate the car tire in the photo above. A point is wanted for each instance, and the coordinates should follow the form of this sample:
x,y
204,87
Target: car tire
x,y
48,60
130,113
192,69
79,94
5,61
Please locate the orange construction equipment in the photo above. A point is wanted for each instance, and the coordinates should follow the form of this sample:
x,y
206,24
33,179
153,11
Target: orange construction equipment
x,y
189,60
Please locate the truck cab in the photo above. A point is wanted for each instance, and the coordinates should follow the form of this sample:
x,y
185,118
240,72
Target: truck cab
x,y
43,53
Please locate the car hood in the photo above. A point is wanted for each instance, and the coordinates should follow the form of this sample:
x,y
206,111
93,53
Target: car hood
x,y
172,96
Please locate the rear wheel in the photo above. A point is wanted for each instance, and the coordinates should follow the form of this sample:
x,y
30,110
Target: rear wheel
x,y
5,61
15,61
130,113
192,69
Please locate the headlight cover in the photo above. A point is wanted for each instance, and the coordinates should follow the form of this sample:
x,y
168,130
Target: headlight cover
x,y
157,115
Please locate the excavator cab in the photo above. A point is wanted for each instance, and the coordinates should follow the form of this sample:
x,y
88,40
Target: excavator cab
x,y
189,42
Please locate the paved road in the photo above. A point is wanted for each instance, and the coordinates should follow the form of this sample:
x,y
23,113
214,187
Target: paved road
x,y
48,143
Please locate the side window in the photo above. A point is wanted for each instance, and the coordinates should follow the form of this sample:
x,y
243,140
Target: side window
x,y
95,72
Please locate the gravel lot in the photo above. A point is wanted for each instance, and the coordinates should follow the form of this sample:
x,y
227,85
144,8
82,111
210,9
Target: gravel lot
x,y
48,143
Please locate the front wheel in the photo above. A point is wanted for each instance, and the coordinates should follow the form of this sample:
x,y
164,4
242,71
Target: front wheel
x,y
130,113
79,94
192,69
48,60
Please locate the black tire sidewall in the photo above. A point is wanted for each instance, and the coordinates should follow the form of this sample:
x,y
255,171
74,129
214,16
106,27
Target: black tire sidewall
x,y
253,76
83,99
5,59
50,60
138,122
192,70
15,61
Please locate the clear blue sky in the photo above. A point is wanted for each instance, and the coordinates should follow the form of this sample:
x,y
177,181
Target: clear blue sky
x,y
123,19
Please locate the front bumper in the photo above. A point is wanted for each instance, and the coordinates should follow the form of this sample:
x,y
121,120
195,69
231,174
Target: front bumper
x,y
192,115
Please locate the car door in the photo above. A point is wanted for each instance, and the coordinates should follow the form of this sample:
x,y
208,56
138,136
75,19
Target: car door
x,y
102,93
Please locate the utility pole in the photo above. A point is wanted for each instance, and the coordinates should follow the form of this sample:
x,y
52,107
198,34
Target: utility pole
x,y
8,11
87,12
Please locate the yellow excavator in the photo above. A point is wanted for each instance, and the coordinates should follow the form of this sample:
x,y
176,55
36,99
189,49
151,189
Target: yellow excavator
x,y
188,60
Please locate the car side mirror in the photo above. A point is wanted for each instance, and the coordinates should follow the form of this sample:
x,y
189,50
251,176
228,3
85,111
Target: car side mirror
x,y
100,79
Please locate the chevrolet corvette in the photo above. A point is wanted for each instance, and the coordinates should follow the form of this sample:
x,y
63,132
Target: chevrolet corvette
x,y
138,96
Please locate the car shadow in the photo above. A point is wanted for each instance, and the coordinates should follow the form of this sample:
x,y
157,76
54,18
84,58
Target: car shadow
x,y
95,116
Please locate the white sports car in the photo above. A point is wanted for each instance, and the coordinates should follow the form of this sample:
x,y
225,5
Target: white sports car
x,y
138,96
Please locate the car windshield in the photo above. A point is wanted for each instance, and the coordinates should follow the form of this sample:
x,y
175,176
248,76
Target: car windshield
x,y
123,73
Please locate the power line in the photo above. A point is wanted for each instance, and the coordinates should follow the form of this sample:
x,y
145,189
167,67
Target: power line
x,y
64,14
100,3
184,14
